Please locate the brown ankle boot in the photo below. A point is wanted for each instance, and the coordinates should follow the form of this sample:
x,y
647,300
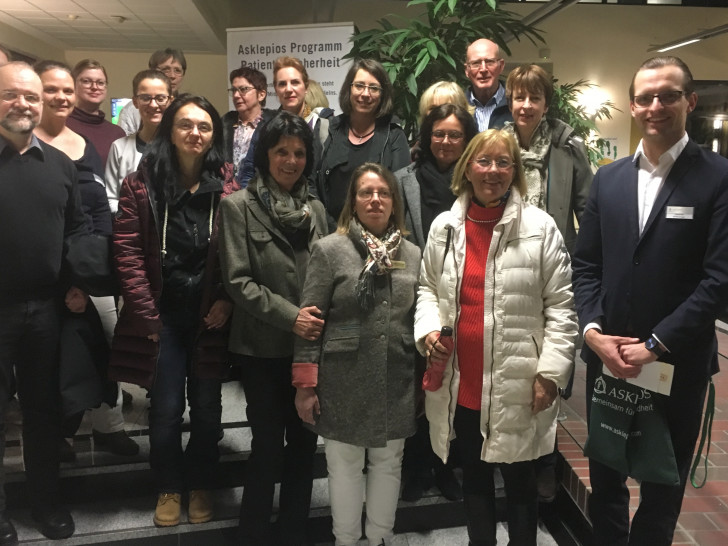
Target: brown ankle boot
x,y
168,509
200,508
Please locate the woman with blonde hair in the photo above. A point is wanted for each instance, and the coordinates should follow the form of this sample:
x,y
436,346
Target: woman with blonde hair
x,y
315,96
496,271
442,92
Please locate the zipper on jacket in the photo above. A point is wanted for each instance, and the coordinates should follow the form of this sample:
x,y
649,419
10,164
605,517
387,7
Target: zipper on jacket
x,y
452,375
492,343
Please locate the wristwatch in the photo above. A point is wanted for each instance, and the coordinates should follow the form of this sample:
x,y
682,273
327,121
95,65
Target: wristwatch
x,y
653,345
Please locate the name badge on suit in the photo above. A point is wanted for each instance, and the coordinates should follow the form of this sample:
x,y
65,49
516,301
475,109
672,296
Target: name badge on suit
x,y
679,213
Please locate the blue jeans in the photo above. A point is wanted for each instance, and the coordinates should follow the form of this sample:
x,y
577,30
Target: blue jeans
x,y
175,470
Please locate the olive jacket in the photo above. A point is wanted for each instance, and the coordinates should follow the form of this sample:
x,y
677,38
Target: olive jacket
x,y
260,275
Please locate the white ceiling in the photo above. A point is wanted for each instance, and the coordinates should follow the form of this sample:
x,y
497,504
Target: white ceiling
x,y
148,24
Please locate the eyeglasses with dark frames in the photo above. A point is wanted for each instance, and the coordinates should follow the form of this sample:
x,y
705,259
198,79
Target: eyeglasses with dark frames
x,y
668,98
160,99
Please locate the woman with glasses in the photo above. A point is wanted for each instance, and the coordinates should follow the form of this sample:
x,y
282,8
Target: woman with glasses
x,y
248,91
267,231
152,94
425,188
87,118
425,185
171,337
170,62
290,81
365,132
496,271
355,383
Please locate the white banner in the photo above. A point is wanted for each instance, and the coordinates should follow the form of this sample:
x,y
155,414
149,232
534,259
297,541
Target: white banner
x,y
320,48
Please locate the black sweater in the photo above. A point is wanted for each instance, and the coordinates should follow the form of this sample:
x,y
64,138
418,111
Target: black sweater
x,y
40,208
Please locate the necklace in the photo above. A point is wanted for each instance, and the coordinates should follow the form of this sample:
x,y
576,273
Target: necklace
x,y
361,137
482,221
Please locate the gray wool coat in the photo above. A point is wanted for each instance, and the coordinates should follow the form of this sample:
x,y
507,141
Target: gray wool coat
x,y
366,360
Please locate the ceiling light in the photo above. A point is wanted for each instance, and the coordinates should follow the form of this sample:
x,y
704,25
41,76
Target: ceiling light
x,y
704,35
675,46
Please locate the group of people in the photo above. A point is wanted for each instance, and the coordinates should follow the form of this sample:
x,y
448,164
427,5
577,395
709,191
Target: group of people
x,y
342,280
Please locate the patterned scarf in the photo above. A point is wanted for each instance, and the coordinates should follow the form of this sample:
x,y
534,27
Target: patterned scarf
x,y
379,261
289,211
535,163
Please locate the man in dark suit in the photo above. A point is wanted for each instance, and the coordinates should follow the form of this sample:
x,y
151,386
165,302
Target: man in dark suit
x,y
650,277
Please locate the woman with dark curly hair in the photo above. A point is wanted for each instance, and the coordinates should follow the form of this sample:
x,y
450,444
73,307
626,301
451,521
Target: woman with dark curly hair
x,y
267,231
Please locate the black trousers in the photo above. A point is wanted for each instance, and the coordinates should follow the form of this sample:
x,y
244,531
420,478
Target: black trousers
x,y
479,488
281,449
29,335
654,522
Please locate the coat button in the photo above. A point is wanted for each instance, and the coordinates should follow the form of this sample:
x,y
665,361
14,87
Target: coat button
x,y
384,302
382,337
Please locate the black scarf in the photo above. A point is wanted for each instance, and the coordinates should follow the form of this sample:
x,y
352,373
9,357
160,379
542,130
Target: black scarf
x,y
435,193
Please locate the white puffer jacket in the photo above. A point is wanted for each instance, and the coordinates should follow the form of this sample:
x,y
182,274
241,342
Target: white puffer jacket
x,y
529,326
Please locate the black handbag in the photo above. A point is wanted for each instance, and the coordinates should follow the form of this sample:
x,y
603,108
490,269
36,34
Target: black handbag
x,y
88,259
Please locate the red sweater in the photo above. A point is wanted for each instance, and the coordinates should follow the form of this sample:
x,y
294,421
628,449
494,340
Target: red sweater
x,y
479,225
94,127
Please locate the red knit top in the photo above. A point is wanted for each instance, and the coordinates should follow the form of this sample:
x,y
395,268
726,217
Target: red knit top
x,y
479,224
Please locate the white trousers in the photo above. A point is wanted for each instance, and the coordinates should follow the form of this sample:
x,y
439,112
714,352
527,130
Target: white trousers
x,y
348,486
105,418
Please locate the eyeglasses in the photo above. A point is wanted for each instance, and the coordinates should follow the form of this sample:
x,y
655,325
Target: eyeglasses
x,y
188,126
502,164
161,100
12,96
668,98
374,90
368,195
85,82
242,90
489,63
169,70
452,136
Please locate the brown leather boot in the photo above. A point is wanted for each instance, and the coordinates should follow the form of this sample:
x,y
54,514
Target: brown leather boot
x,y
200,508
168,509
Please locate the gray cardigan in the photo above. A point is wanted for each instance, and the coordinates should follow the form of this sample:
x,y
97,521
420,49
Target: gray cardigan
x,y
260,274
366,360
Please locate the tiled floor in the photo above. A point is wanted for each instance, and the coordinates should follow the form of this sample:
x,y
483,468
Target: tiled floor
x,y
704,517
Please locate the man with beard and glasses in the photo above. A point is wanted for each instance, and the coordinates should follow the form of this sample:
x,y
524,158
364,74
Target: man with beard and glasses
x,y
41,209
